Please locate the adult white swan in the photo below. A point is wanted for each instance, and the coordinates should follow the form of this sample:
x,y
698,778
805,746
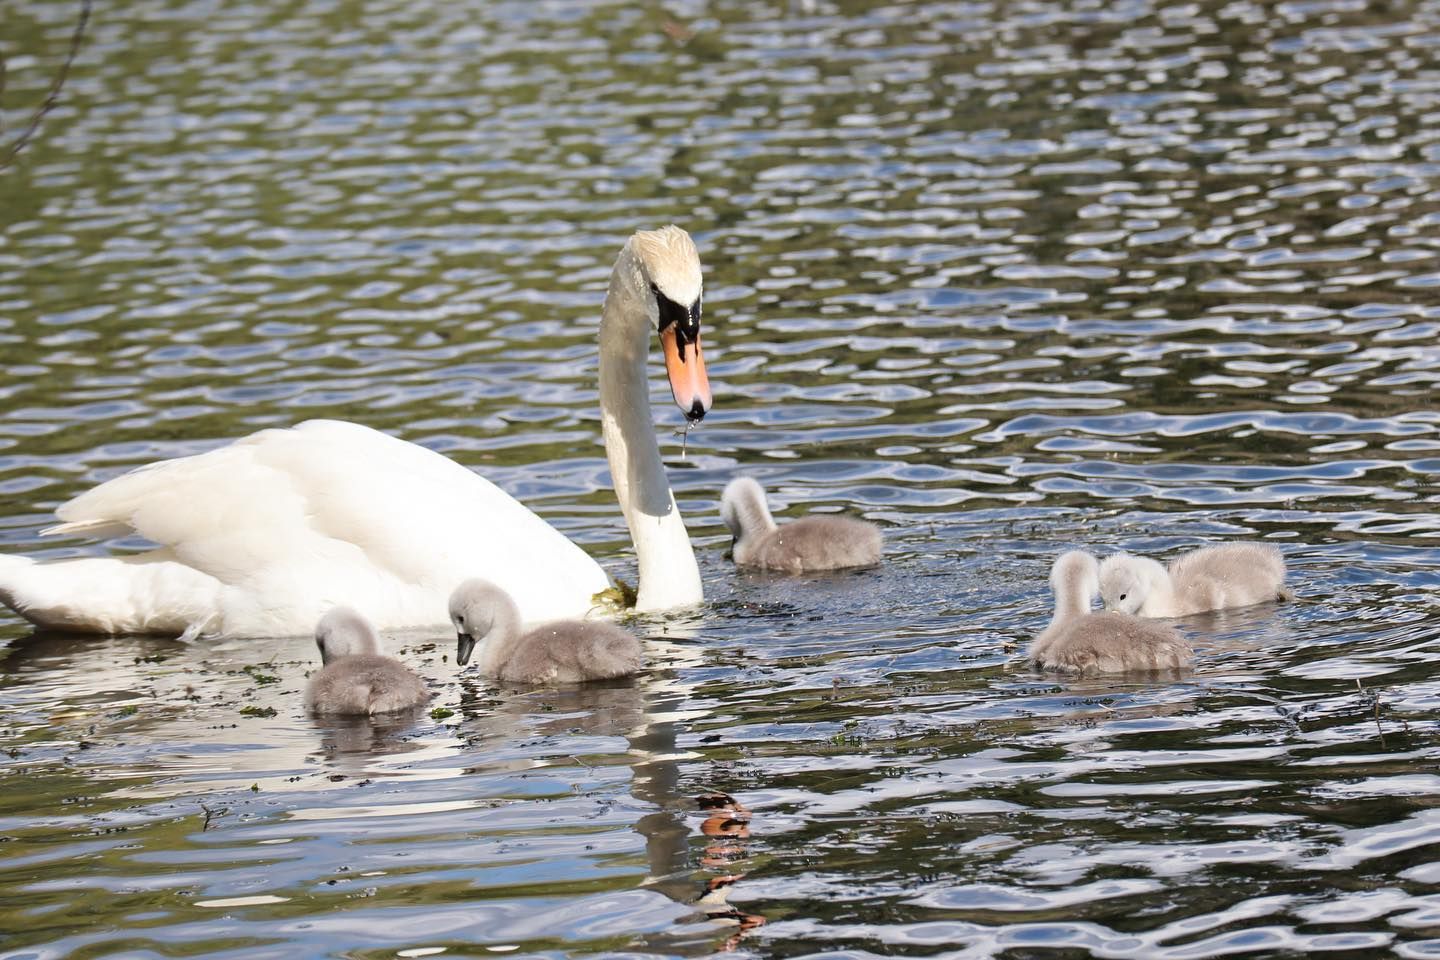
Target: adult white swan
x,y
261,537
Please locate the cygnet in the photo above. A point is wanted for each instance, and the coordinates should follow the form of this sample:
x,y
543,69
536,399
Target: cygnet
x,y
800,546
563,651
356,678
1082,643
1210,578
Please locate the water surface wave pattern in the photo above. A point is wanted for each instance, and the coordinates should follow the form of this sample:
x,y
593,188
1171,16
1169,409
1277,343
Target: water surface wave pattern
x,y
1005,278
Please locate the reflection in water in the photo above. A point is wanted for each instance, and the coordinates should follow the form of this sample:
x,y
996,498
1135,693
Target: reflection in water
x,y
347,744
42,657
504,735
647,712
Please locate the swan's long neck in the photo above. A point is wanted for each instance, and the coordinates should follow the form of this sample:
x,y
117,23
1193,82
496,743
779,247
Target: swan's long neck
x,y
1074,581
1070,604
500,640
669,575
752,515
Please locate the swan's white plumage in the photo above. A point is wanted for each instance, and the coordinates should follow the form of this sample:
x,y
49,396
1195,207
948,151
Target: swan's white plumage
x,y
284,524
260,537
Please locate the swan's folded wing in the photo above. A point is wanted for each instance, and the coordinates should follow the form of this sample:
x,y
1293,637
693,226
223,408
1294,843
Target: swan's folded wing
x,y
222,512
94,529
433,523
342,498
425,517
157,500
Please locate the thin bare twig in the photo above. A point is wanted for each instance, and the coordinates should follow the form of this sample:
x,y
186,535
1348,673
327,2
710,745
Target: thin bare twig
x,y
53,97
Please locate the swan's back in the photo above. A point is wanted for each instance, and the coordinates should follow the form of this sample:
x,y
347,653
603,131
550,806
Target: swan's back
x,y
294,519
572,651
818,543
365,684
1229,575
1101,643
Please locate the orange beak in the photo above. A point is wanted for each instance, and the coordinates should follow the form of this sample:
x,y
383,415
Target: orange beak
x,y
686,369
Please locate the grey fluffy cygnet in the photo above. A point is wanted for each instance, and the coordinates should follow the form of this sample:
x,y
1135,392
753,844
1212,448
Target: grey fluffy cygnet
x,y
800,546
1082,643
356,678
563,651
1210,578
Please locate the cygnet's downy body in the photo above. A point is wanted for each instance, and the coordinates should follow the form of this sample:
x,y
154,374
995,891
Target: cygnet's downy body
x,y
563,651
1210,578
800,546
1082,643
356,679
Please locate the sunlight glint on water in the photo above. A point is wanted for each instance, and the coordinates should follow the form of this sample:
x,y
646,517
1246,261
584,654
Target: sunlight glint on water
x,y
1005,278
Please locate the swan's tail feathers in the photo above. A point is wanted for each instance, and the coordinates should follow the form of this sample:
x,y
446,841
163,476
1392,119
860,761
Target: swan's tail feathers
x,y
137,594
13,573
94,529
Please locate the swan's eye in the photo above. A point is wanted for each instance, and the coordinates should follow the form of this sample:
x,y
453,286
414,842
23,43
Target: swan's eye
x,y
685,320
460,619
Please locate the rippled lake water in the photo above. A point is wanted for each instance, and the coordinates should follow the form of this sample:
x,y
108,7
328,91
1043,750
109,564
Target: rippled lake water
x,y
1005,278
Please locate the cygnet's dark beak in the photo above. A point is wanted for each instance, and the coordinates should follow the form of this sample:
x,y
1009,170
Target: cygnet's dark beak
x,y
464,646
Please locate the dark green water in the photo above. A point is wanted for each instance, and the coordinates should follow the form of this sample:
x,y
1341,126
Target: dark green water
x,y
1004,278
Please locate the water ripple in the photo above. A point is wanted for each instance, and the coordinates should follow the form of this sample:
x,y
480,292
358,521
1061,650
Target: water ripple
x,y
1005,279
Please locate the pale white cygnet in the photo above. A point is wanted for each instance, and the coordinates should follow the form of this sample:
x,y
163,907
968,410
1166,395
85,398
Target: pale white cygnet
x,y
1210,578
1082,643
800,546
356,678
563,651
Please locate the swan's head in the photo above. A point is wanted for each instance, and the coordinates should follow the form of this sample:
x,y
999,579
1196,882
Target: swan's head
x,y
344,633
478,608
1075,578
670,270
743,508
1125,582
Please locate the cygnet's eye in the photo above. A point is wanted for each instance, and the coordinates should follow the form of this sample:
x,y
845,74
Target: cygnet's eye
x,y
1122,596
